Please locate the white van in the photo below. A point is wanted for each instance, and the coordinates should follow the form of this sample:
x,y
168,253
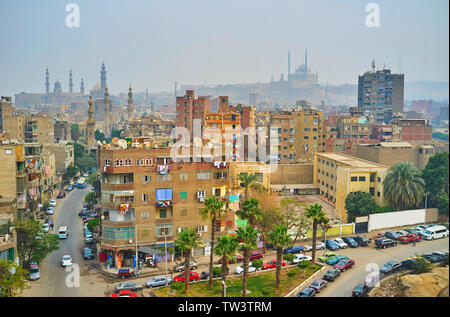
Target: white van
x,y
435,232
63,233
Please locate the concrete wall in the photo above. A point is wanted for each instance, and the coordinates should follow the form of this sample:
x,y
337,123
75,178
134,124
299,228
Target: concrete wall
x,y
396,219
293,174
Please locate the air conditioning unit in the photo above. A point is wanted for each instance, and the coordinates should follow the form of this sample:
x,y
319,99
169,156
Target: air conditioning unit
x,y
201,199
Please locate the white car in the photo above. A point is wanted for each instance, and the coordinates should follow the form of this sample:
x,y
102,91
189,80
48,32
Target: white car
x,y
45,227
340,243
49,211
66,260
240,269
319,246
53,203
301,257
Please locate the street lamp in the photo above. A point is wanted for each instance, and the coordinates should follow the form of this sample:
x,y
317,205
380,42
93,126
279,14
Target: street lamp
x,y
426,196
137,261
165,254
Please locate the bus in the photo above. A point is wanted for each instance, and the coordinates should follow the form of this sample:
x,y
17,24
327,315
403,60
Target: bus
x,y
63,232
81,183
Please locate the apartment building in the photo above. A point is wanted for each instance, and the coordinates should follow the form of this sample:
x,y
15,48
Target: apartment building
x,y
189,108
415,131
337,175
30,129
146,195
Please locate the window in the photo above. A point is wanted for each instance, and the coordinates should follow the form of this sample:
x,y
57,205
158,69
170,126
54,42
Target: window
x,y
163,230
107,162
163,213
140,162
354,179
201,175
127,162
362,178
379,179
183,176
318,170
378,194
163,194
146,179
220,175
145,215
164,178
372,177
183,195
144,197
306,137
201,194
118,163
148,161
372,191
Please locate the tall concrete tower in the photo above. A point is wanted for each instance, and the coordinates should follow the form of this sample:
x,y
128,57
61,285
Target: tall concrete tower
x,y
103,78
90,125
82,87
289,62
130,104
70,81
47,81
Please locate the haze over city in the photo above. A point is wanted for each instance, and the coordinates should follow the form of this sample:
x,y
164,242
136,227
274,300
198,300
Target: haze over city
x,y
152,44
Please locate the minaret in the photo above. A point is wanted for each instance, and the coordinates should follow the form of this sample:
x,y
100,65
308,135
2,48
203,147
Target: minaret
x,y
103,78
130,104
82,87
373,65
306,60
70,81
289,62
47,82
90,124
153,109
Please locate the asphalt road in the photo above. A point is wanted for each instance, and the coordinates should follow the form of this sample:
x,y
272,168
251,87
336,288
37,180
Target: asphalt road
x,y
368,257
55,281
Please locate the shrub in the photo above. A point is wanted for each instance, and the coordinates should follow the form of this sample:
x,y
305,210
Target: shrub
x,y
266,291
257,263
421,266
217,271
178,286
292,273
303,264
289,257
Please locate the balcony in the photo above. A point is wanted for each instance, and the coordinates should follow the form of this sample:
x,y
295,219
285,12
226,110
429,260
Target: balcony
x,y
116,205
117,187
118,224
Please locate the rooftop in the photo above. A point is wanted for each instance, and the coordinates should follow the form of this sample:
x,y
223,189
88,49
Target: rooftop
x,y
350,161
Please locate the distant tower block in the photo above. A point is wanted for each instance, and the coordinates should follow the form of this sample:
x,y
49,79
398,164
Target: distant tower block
x,y
130,104
153,109
82,87
70,81
90,124
103,78
289,62
47,81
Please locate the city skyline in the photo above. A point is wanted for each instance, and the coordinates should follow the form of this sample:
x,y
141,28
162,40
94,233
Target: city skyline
x,y
152,48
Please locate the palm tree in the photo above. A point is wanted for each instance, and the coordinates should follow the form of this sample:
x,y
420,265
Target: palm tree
x,y
317,215
249,182
404,186
280,239
249,236
226,247
250,211
213,211
324,226
187,240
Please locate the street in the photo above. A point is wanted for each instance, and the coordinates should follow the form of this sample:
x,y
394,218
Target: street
x,y
53,276
363,256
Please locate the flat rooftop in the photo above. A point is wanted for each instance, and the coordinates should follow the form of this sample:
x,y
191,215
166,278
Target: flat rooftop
x,y
350,161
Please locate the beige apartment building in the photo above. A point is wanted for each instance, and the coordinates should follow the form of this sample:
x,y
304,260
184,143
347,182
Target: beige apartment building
x,y
337,175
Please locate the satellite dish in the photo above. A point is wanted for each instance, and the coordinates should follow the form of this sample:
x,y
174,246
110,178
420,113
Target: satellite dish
x,y
122,143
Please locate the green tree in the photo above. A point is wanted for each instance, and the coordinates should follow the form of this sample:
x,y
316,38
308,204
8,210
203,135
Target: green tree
x,y
359,204
249,236
294,216
187,240
317,215
78,150
280,239
288,257
31,248
226,247
116,133
435,176
267,220
250,211
12,278
75,131
71,171
91,224
45,205
442,204
404,186
324,225
421,265
86,163
99,136
213,211
90,200
249,182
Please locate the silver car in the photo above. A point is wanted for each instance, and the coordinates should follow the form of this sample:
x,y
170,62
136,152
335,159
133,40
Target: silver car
x,y
128,286
319,246
158,281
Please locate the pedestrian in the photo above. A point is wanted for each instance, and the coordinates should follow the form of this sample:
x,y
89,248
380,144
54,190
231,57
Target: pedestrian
x,y
51,225
414,243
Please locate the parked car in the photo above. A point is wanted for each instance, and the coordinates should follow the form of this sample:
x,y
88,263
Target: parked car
x,y
307,292
255,255
434,258
362,240
301,257
331,245
326,256
88,239
193,276
53,203
88,254
384,243
130,286
435,232
350,242
319,246
360,290
335,259
179,268
409,264
125,273
272,264
61,195
392,235
340,243
402,232
205,274
158,281
410,237
294,249
391,267
35,274
318,284
414,231
237,256
66,260
49,211
344,264
240,269
49,221
45,227
441,253
124,293
331,275
69,188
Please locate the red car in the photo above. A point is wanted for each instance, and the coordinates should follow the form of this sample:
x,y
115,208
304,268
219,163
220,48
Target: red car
x,y
344,264
61,195
255,255
237,256
410,237
124,293
272,264
192,276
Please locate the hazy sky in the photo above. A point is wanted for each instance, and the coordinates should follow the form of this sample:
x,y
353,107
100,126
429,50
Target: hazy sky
x,y
155,43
